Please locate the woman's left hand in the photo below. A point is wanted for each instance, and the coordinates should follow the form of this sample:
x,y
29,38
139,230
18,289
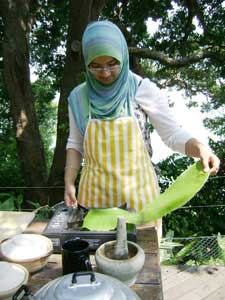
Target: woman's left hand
x,y
210,162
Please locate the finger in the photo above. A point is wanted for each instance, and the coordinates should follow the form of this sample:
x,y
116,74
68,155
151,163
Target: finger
x,y
67,201
75,203
214,164
70,201
214,170
205,163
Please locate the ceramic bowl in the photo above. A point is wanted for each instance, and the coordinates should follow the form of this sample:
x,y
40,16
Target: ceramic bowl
x,y
16,276
29,250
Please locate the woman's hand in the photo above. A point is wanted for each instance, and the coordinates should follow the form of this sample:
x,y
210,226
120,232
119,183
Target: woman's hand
x,y
69,196
210,162
73,161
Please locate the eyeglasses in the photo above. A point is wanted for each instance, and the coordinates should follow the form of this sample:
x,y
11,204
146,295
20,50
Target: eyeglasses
x,y
98,70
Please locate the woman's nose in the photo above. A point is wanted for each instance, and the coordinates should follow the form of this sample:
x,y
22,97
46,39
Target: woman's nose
x,y
105,73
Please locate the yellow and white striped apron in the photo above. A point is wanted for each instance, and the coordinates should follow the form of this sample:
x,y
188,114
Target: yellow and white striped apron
x,y
117,169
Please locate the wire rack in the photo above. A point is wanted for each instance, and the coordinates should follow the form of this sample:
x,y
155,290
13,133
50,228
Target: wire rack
x,y
204,250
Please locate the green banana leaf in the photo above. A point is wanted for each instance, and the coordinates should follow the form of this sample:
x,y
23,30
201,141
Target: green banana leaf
x,y
106,218
177,195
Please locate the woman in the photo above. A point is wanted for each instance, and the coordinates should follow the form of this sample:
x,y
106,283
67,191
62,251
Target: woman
x,y
103,128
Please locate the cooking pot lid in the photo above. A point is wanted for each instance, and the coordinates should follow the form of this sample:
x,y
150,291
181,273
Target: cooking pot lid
x,y
25,247
85,286
12,276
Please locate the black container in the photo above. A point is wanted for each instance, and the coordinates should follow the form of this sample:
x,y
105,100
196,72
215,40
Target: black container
x,y
75,256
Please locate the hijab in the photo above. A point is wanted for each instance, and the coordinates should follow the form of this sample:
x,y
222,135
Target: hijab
x,y
103,38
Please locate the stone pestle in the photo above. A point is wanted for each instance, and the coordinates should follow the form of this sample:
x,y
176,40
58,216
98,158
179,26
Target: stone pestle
x,y
121,248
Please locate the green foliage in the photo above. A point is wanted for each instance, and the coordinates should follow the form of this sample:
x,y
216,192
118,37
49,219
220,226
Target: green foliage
x,y
44,95
134,15
13,202
48,39
42,212
9,164
216,125
198,251
10,172
9,201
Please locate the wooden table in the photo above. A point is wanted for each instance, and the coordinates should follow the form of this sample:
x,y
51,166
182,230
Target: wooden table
x,y
148,284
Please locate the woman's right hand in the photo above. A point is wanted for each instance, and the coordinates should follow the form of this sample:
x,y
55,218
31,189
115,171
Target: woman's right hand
x,y
69,196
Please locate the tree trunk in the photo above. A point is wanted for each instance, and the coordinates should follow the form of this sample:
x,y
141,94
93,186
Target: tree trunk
x,y
81,13
17,22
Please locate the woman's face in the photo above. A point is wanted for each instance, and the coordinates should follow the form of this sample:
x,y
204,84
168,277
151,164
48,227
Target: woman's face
x,y
105,69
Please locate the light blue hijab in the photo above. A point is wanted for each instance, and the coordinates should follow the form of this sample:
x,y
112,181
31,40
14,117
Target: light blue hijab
x,y
103,38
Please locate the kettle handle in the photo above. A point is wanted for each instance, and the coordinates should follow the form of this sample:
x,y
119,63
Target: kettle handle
x,y
76,274
27,293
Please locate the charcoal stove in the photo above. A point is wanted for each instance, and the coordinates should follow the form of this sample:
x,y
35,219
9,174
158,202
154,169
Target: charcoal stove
x,y
66,224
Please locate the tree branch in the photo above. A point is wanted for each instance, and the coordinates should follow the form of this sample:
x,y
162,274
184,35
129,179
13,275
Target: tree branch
x,y
173,62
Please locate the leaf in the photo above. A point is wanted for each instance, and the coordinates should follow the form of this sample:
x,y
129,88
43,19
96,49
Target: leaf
x,y
106,218
178,194
186,250
7,204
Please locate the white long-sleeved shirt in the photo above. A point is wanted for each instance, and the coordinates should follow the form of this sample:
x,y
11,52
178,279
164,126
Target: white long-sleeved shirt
x,y
154,103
